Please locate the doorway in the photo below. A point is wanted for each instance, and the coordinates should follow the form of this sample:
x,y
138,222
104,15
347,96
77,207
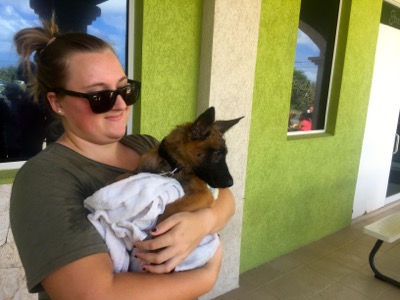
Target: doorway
x,y
381,126
393,188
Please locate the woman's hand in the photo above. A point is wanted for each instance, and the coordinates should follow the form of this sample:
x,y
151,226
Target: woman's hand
x,y
173,240
177,236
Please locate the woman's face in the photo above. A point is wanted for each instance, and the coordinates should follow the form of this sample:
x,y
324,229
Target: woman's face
x,y
92,72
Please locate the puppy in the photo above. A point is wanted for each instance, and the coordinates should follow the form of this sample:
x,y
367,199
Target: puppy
x,y
194,153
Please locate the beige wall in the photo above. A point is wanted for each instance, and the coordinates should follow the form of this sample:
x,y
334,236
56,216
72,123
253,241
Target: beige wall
x,y
227,67
12,276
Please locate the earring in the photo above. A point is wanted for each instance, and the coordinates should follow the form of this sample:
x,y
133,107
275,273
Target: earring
x,y
60,112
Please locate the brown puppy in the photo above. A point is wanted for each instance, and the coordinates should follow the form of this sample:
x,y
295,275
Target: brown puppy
x,y
195,154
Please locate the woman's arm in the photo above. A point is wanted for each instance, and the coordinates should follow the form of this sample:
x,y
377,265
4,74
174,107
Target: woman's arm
x,y
181,233
92,278
218,216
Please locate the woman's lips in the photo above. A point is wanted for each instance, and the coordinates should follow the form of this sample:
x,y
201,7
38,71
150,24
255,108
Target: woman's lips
x,y
115,117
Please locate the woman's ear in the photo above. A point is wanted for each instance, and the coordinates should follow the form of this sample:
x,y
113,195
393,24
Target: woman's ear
x,y
54,103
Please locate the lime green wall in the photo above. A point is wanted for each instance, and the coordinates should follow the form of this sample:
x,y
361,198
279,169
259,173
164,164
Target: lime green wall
x,y
299,190
7,176
170,64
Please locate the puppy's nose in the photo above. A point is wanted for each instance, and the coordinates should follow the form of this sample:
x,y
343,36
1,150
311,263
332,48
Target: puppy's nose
x,y
228,182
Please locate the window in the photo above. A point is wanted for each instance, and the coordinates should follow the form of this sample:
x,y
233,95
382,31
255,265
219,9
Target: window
x,y
23,131
313,65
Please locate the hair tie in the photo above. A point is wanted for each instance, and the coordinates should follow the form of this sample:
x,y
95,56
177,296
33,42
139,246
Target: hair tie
x,y
48,43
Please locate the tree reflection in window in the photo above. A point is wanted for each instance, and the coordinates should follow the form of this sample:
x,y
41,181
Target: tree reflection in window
x,y
24,126
313,65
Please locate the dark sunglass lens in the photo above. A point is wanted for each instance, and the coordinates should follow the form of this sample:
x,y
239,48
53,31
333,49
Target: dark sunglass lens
x,y
102,102
129,94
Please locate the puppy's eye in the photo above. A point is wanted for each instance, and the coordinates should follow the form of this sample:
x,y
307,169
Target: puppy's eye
x,y
219,154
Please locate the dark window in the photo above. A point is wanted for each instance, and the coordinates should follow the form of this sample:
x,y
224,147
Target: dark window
x,y
313,65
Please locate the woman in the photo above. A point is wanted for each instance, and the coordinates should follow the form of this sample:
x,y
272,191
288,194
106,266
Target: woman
x,y
63,255
305,122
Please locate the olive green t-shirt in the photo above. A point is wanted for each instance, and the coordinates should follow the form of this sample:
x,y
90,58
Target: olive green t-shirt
x,y
48,220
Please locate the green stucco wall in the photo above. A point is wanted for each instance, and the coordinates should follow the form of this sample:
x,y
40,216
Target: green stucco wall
x,y
170,64
299,190
7,176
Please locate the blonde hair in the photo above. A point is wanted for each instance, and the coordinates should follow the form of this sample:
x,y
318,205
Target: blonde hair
x,y
52,51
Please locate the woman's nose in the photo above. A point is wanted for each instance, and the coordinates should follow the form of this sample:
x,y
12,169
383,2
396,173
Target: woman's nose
x,y
119,103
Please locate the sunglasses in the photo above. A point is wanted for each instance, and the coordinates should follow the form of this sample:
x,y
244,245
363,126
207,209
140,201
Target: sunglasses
x,y
103,101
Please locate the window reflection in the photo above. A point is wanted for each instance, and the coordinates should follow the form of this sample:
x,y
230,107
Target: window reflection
x,y
25,127
313,65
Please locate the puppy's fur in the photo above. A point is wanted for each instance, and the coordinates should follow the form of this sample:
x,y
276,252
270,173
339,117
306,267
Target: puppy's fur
x,y
195,154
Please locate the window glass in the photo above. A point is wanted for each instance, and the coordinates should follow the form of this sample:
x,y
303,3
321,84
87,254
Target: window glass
x,y
313,65
24,129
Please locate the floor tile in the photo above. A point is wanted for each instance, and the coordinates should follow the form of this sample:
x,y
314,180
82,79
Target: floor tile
x,y
389,266
364,284
302,283
321,248
292,261
263,275
341,292
394,251
330,268
392,293
258,294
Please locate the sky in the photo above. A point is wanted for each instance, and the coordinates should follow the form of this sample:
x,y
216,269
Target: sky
x,y
306,48
16,15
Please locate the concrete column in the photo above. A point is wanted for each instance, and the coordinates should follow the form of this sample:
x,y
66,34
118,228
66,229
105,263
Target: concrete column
x,y
227,69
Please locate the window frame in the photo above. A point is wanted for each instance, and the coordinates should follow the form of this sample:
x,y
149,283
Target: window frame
x,y
328,113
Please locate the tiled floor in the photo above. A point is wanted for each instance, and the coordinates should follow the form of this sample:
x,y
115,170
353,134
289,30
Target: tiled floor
x,y
335,267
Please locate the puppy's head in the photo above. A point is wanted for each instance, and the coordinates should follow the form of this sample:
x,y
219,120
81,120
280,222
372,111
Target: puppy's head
x,y
204,149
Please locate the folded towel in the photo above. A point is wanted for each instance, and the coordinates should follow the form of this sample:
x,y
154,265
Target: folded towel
x,y
125,211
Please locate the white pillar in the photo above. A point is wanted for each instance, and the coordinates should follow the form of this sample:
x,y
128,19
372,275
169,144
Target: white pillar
x,y
227,69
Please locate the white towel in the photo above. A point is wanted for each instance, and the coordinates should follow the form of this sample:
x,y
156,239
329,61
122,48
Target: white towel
x,y
125,211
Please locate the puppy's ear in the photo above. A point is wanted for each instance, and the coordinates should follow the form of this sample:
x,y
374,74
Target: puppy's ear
x,y
202,125
224,126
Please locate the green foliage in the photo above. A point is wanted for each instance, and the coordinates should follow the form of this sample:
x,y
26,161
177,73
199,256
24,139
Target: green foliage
x,y
8,73
303,92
